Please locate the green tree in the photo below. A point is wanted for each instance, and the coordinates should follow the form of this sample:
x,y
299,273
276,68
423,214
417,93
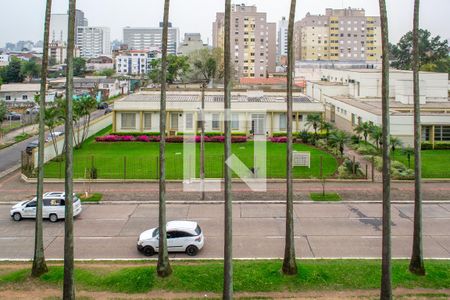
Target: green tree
x,y
30,69
79,67
106,72
82,110
39,265
338,139
3,111
386,264
53,116
417,265
13,71
364,129
376,134
69,266
163,268
327,127
431,50
289,263
177,68
314,121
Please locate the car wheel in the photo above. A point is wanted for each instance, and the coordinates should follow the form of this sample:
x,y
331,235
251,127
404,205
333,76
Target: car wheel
x,y
53,218
17,217
148,251
191,250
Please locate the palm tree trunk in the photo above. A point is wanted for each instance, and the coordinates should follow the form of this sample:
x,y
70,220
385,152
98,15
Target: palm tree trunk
x,y
163,268
69,280
202,144
289,263
386,280
416,265
39,264
228,234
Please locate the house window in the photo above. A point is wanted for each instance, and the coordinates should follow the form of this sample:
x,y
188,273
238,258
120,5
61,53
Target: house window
x,y
235,122
283,122
128,121
174,121
147,120
426,133
215,122
7,98
442,133
189,121
24,97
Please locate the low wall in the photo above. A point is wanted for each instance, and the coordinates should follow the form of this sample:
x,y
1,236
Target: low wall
x,y
49,150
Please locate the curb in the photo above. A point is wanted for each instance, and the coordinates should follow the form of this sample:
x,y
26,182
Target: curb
x,y
9,171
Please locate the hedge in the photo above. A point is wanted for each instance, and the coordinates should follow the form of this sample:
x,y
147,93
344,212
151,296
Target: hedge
x,y
437,146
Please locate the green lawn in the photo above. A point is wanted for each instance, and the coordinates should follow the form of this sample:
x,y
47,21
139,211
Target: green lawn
x,y
435,163
249,276
326,197
140,160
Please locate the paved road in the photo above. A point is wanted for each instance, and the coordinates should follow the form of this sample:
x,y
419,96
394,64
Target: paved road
x,y
322,230
10,156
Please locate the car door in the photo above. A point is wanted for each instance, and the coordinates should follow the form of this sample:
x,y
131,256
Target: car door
x,y
175,241
29,211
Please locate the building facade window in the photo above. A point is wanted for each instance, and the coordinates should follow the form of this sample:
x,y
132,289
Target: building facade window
x,y
235,122
128,121
442,133
174,121
189,121
215,122
283,122
147,120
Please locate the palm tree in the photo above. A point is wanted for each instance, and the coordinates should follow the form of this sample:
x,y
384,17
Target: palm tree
x,y
395,144
228,234
327,127
52,117
289,262
408,151
386,268
364,129
39,264
314,121
163,267
376,134
416,264
69,280
338,139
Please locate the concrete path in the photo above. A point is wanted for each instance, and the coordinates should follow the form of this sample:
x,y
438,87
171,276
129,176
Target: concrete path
x,y
321,231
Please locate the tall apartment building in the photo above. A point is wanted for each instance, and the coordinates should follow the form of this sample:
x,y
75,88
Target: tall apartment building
x,y
59,24
339,35
253,40
282,47
145,38
93,41
58,52
192,42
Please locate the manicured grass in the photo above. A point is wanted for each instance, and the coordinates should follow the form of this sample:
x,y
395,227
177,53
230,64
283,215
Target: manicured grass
x,y
21,137
326,197
136,160
93,197
249,276
435,163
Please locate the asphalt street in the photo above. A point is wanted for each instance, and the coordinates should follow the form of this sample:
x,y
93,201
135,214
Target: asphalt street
x,y
10,156
322,231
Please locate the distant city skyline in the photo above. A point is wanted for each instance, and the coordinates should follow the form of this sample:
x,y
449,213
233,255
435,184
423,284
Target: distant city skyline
x,y
27,23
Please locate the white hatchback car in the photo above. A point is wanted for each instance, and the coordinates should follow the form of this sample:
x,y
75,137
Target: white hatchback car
x,y
53,207
182,236
53,136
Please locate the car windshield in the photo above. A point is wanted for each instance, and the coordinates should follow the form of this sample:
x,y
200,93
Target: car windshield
x,y
156,232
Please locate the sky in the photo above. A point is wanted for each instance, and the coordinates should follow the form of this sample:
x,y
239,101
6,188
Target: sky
x,y
23,19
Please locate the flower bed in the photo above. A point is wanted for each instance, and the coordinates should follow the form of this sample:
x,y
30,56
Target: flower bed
x,y
173,139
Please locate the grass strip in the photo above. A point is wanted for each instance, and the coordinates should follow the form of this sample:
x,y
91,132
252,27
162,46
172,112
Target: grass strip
x,y
326,197
250,276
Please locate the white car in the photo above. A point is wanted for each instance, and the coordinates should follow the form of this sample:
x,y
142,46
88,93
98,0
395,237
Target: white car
x,y
182,236
53,136
53,207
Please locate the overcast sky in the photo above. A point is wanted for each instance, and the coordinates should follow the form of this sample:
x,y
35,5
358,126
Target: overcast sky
x,y
23,19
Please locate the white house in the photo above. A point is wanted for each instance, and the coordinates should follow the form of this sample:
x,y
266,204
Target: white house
x,y
252,112
135,62
4,60
354,96
22,94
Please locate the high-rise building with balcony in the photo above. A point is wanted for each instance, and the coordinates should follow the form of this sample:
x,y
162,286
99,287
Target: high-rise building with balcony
x,y
93,41
145,38
339,35
253,41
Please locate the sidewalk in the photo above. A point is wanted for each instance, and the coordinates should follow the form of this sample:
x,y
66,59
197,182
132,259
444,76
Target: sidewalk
x,y
12,188
363,163
10,136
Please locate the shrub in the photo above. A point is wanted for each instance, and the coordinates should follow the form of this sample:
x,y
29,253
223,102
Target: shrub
x,y
355,139
305,136
135,134
108,138
365,149
442,146
239,139
279,134
281,139
427,146
212,133
127,138
175,139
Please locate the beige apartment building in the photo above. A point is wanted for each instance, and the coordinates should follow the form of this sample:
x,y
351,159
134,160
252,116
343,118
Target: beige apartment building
x,y
253,41
339,35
